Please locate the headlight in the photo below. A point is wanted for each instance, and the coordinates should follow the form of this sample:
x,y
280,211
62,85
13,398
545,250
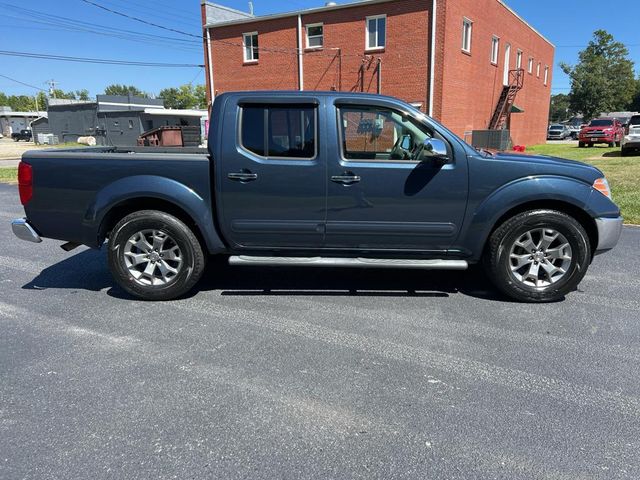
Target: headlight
x,y
602,186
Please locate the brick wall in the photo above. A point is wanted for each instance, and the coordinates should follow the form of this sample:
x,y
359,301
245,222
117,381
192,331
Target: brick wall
x,y
471,85
467,87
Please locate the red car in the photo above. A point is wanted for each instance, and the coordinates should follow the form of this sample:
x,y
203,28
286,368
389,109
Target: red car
x,y
601,130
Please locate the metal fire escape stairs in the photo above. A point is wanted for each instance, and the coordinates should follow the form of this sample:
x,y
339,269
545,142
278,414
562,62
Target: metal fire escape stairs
x,y
507,98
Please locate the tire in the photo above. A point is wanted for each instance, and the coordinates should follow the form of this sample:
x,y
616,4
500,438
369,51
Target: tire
x,y
580,144
611,144
589,145
618,144
503,254
150,273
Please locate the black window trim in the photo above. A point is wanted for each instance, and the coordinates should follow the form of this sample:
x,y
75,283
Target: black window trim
x,y
255,102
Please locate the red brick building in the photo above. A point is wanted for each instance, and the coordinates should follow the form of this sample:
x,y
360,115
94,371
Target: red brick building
x,y
454,59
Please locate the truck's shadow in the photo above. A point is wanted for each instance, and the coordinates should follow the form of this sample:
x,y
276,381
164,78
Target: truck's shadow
x,y
87,270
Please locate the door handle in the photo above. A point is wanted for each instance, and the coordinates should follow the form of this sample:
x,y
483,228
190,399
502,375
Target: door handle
x,y
243,176
347,178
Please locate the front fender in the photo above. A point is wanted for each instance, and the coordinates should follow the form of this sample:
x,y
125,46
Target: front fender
x,y
482,219
153,186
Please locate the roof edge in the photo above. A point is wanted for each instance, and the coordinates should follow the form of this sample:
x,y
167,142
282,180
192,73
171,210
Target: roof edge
x,y
515,14
293,13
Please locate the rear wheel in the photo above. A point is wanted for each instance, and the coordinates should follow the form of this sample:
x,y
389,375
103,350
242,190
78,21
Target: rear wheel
x,y
155,256
538,256
580,144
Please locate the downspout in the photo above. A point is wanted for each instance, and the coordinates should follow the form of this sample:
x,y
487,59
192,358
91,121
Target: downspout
x,y
300,55
210,64
379,76
432,66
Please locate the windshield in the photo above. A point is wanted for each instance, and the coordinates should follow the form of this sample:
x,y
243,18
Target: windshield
x,y
601,123
556,127
635,120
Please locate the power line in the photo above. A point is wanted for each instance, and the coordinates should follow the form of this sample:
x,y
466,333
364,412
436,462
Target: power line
x,y
103,61
23,83
130,17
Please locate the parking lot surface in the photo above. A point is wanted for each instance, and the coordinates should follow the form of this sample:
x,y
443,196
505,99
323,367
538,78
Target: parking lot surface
x,y
295,373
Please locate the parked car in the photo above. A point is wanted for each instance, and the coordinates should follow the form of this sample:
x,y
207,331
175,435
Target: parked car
x,y
631,141
574,131
558,132
22,135
322,179
601,130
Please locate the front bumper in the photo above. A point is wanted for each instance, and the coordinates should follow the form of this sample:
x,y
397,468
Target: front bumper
x,y
24,231
609,231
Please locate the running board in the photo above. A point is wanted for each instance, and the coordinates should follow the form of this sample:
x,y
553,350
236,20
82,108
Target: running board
x,y
437,264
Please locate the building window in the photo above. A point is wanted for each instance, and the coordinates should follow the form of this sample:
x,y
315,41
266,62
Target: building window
x,y
467,26
279,131
519,60
546,75
530,65
495,49
376,32
315,35
538,70
251,50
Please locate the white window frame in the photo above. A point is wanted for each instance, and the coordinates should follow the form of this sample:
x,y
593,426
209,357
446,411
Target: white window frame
x,y
495,49
538,69
546,75
311,25
530,68
519,56
466,39
366,33
244,47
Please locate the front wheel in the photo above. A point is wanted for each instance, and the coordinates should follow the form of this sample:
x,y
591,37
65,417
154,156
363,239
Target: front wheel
x,y
538,256
155,256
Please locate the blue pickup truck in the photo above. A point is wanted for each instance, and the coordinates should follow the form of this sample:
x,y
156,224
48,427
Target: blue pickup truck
x,y
322,179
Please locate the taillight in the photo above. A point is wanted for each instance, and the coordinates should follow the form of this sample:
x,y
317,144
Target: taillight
x,y
25,182
602,186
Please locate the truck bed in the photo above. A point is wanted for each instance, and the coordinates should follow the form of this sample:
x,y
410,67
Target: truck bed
x,y
75,188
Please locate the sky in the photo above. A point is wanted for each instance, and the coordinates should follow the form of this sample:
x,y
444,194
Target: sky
x,y
39,26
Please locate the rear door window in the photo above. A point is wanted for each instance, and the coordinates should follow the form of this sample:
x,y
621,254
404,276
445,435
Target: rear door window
x,y
279,131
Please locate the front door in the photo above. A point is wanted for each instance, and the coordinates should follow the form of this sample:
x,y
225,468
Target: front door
x,y
272,177
385,192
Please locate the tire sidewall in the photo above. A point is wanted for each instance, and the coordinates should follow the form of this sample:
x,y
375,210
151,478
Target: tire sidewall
x,y
575,235
154,221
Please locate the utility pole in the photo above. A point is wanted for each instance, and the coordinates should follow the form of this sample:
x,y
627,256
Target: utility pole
x,y
52,88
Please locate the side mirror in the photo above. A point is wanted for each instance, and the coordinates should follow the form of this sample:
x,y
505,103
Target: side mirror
x,y
436,150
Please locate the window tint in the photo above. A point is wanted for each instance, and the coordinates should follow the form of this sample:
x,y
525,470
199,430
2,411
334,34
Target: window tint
x,y
635,120
371,133
287,132
601,123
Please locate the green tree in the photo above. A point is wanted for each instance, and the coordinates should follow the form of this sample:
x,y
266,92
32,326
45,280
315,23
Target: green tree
x,y
57,93
560,108
124,90
603,80
635,103
185,96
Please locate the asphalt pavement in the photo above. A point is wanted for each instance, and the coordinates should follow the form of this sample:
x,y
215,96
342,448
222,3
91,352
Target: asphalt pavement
x,y
284,373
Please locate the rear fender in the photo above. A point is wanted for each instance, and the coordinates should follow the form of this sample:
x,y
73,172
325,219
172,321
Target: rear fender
x,y
152,186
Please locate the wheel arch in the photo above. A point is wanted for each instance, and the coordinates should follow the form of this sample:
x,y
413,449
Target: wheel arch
x,y
136,193
579,214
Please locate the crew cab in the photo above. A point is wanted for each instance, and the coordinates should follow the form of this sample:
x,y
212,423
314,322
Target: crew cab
x,y
317,179
601,130
631,140
22,135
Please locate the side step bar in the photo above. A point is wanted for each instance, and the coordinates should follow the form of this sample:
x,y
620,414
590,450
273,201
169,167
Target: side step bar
x,y
437,264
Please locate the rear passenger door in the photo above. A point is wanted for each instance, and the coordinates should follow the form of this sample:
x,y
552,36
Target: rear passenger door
x,y
272,176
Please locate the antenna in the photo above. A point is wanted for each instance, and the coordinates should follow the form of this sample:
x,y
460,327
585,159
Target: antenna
x,y
52,87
